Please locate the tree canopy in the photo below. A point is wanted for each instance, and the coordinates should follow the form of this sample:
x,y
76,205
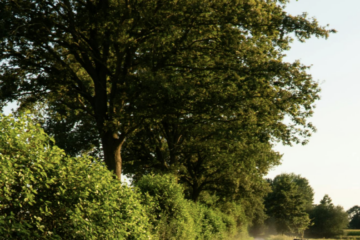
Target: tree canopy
x,y
354,217
287,203
329,220
104,70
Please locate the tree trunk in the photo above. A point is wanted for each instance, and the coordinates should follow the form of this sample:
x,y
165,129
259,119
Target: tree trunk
x,y
112,145
196,191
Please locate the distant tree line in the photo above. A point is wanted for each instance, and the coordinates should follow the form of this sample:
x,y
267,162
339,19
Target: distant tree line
x,y
290,210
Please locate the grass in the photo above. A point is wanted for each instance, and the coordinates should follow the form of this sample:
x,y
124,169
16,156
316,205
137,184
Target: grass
x,y
352,232
279,237
284,237
349,234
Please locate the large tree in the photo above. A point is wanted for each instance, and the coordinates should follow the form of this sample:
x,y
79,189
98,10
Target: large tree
x,y
304,189
109,66
216,157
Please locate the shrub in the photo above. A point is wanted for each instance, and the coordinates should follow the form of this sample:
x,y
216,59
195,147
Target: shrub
x,y
174,217
169,211
46,195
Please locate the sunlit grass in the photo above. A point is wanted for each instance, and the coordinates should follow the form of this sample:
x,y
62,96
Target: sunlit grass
x,y
352,233
279,237
349,234
284,237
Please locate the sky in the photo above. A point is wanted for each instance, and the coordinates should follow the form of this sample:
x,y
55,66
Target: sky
x,y
331,159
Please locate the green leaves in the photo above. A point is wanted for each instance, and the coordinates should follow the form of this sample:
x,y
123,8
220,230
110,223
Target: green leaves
x,y
197,88
109,66
289,202
174,217
354,217
47,195
329,220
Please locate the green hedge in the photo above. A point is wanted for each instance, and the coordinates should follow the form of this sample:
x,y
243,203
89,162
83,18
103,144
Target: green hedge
x,y
170,213
174,217
46,195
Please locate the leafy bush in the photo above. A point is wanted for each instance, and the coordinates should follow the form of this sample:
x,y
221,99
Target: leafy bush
x,y
170,213
214,226
47,195
174,217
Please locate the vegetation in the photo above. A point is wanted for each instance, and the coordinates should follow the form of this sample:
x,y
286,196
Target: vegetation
x,y
291,196
328,220
280,237
291,211
354,217
48,195
185,97
351,233
45,194
172,214
174,217
176,72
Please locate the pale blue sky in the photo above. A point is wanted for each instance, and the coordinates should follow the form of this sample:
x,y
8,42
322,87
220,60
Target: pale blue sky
x,y
331,160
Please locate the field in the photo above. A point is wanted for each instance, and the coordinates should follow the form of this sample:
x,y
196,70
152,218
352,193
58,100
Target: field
x,y
349,234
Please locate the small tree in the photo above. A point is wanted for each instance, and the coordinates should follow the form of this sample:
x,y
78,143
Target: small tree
x,y
287,204
329,220
354,217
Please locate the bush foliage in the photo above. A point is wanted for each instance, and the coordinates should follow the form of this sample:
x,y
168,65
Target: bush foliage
x,y
46,195
174,217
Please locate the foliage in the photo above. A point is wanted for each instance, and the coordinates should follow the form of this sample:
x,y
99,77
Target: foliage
x,y
354,217
170,212
217,225
329,220
304,189
174,217
287,203
243,235
46,195
112,66
204,162
195,88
